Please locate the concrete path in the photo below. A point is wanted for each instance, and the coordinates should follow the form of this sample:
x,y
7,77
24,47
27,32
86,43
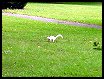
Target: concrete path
x,y
53,20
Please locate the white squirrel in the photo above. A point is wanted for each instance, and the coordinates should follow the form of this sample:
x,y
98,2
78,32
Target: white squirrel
x,y
53,38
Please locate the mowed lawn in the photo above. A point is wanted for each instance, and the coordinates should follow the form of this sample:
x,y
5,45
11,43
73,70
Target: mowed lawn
x,y
27,53
84,12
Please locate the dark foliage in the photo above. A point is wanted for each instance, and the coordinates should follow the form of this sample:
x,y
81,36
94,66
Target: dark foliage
x,y
13,5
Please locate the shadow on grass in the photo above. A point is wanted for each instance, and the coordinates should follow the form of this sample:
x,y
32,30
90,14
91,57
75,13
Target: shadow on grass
x,y
73,3
98,48
79,3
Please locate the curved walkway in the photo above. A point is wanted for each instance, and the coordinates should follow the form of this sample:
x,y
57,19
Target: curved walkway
x,y
53,20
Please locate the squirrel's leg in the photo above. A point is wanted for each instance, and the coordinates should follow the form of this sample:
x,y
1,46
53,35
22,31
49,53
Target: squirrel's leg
x,y
53,40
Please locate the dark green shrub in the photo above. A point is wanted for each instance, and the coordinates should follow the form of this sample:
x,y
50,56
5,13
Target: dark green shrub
x,y
13,5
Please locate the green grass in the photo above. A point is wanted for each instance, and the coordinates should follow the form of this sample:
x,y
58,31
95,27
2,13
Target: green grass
x,y
84,12
26,51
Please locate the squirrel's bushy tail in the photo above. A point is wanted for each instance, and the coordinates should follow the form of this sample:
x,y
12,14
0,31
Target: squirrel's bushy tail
x,y
59,35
